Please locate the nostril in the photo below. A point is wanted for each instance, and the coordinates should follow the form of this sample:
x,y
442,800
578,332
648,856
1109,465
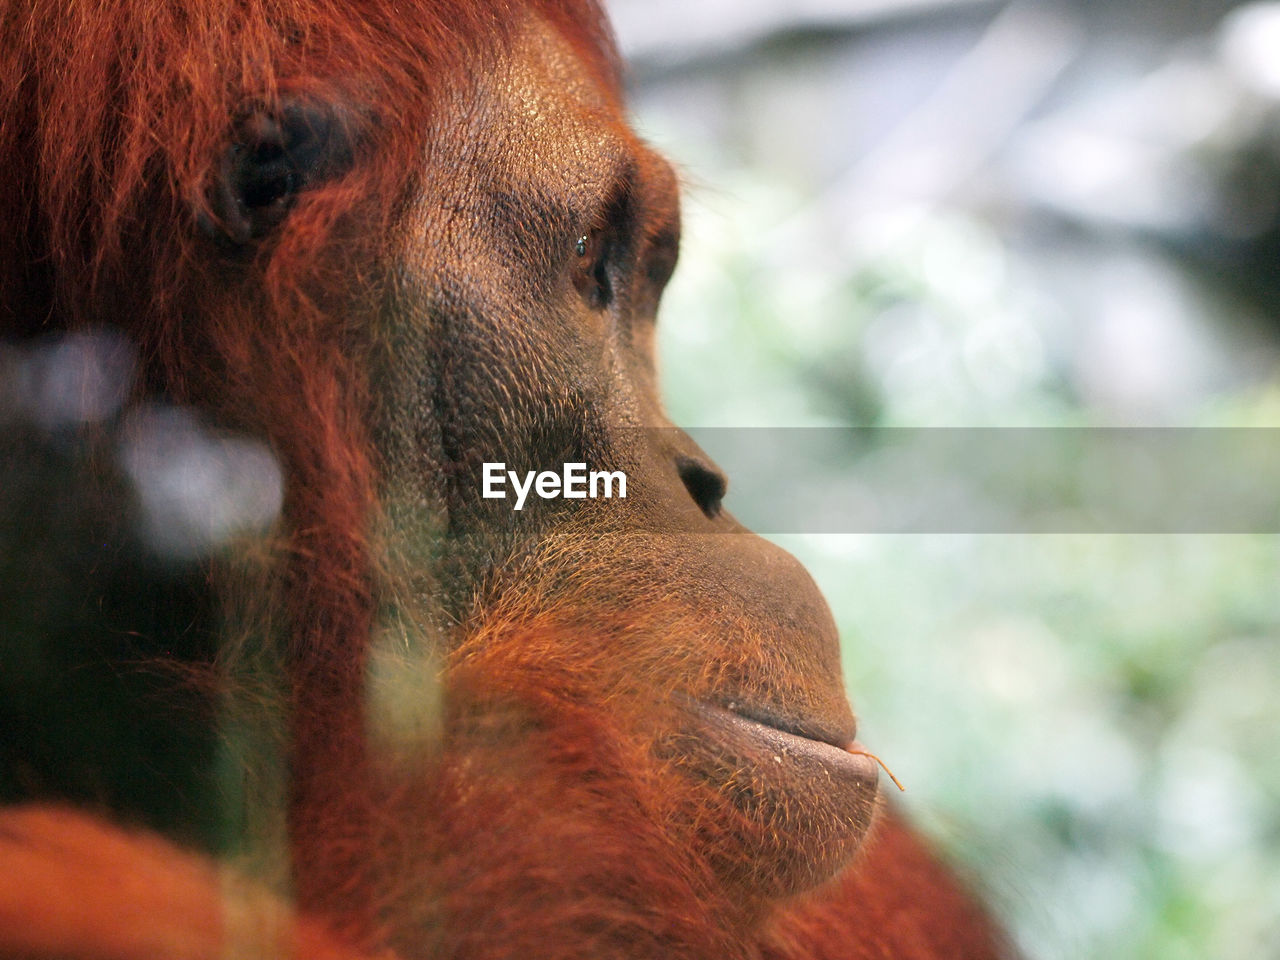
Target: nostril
x,y
705,484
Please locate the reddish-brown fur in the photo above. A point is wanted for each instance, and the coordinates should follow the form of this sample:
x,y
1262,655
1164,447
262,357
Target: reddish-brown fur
x,y
122,150
550,813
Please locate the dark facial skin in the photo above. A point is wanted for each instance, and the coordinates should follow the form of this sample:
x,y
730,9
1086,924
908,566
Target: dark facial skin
x,y
535,349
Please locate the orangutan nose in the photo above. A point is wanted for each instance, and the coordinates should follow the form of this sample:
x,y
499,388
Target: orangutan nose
x,y
704,482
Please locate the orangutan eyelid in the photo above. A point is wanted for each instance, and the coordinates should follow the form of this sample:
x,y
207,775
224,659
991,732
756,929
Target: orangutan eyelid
x,y
591,272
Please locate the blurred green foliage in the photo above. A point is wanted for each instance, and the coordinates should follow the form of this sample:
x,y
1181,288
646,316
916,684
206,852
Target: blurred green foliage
x,y
1088,724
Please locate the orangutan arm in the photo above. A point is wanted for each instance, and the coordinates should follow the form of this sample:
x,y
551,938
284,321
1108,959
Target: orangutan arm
x,y
72,886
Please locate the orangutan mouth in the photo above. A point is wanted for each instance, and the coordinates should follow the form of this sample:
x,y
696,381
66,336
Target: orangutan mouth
x,y
796,728
751,732
725,741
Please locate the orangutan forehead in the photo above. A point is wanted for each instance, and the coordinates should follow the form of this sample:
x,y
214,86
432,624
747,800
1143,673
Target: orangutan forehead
x,y
564,134
542,155
556,122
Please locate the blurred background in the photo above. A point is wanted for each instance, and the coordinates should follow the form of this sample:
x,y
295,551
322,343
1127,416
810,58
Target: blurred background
x,y
960,213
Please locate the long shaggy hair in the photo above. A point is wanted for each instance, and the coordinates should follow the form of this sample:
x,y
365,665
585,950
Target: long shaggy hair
x,y
113,119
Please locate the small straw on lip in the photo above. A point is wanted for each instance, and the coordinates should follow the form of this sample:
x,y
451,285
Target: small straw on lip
x,y
859,752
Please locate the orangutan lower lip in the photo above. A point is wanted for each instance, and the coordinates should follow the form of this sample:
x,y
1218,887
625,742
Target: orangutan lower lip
x,y
801,729
801,804
770,741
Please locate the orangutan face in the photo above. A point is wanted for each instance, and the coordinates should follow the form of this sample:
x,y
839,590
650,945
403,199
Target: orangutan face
x,y
520,331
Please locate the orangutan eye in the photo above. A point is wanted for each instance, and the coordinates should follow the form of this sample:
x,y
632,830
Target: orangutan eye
x,y
591,269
